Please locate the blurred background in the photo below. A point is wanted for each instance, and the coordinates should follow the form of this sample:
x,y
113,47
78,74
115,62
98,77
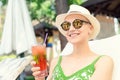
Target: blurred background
x,y
42,15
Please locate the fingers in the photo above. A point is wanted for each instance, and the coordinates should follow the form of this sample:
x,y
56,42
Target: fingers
x,y
33,63
34,69
39,78
38,75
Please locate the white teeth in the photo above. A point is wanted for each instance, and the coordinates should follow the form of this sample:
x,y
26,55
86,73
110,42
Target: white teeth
x,y
74,34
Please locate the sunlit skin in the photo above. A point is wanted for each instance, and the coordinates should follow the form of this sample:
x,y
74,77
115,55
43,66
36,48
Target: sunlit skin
x,y
79,37
81,53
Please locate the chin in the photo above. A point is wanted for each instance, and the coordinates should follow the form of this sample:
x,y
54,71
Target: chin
x,y
76,41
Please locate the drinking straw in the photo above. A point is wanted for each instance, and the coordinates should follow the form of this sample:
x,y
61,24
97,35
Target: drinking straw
x,y
45,38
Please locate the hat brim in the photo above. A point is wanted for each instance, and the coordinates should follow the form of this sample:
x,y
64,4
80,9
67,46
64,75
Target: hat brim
x,y
95,23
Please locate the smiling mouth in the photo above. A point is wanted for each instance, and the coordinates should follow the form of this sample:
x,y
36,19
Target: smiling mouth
x,y
74,34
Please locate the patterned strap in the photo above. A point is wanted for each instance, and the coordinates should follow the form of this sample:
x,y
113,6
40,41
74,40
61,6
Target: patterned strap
x,y
60,58
94,62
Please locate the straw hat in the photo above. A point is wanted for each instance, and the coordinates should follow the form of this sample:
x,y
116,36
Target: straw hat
x,y
75,9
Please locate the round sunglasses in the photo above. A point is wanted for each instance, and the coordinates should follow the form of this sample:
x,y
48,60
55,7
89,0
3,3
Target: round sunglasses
x,y
77,23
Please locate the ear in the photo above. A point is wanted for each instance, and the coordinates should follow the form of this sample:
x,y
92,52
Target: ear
x,y
90,30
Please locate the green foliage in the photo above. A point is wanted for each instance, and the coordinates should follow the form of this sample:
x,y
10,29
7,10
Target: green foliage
x,y
44,9
41,10
75,2
4,2
7,56
29,78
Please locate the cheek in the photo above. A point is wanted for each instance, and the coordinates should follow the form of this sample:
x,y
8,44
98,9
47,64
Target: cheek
x,y
85,31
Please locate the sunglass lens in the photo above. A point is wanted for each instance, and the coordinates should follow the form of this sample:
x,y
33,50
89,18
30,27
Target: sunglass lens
x,y
77,24
65,26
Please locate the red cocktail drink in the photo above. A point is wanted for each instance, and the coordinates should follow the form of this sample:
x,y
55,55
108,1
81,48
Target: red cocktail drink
x,y
39,55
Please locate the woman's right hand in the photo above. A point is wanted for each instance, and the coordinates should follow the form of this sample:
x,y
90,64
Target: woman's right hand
x,y
36,72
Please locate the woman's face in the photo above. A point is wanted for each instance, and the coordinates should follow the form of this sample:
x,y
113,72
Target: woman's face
x,y
76,35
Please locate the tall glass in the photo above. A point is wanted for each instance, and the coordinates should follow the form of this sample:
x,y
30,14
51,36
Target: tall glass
x,y
39,55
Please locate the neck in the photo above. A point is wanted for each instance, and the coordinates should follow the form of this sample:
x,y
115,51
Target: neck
x,y
81,49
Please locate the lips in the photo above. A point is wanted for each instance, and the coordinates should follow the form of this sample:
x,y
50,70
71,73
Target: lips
x,y
74,34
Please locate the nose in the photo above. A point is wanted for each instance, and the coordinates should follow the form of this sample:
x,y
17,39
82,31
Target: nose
x,y
71,28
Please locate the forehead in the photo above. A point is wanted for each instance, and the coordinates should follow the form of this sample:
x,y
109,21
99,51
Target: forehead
x,y
75,16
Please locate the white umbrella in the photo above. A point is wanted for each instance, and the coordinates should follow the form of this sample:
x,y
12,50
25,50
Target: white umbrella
x,y
18,34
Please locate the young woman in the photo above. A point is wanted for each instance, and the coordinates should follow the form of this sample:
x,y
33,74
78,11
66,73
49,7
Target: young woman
x,y
78,26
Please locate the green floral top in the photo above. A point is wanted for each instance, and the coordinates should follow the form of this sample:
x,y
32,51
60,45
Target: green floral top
x,y
82,74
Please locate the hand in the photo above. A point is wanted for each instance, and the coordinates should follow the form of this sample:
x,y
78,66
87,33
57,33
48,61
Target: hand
x,y
36,72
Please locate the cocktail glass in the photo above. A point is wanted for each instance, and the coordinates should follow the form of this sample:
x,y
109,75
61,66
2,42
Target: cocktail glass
x,y
39,55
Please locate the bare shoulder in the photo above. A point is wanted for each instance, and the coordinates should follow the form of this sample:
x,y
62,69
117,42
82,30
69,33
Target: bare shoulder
x,y
106,60
103,68
54,61
52,66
